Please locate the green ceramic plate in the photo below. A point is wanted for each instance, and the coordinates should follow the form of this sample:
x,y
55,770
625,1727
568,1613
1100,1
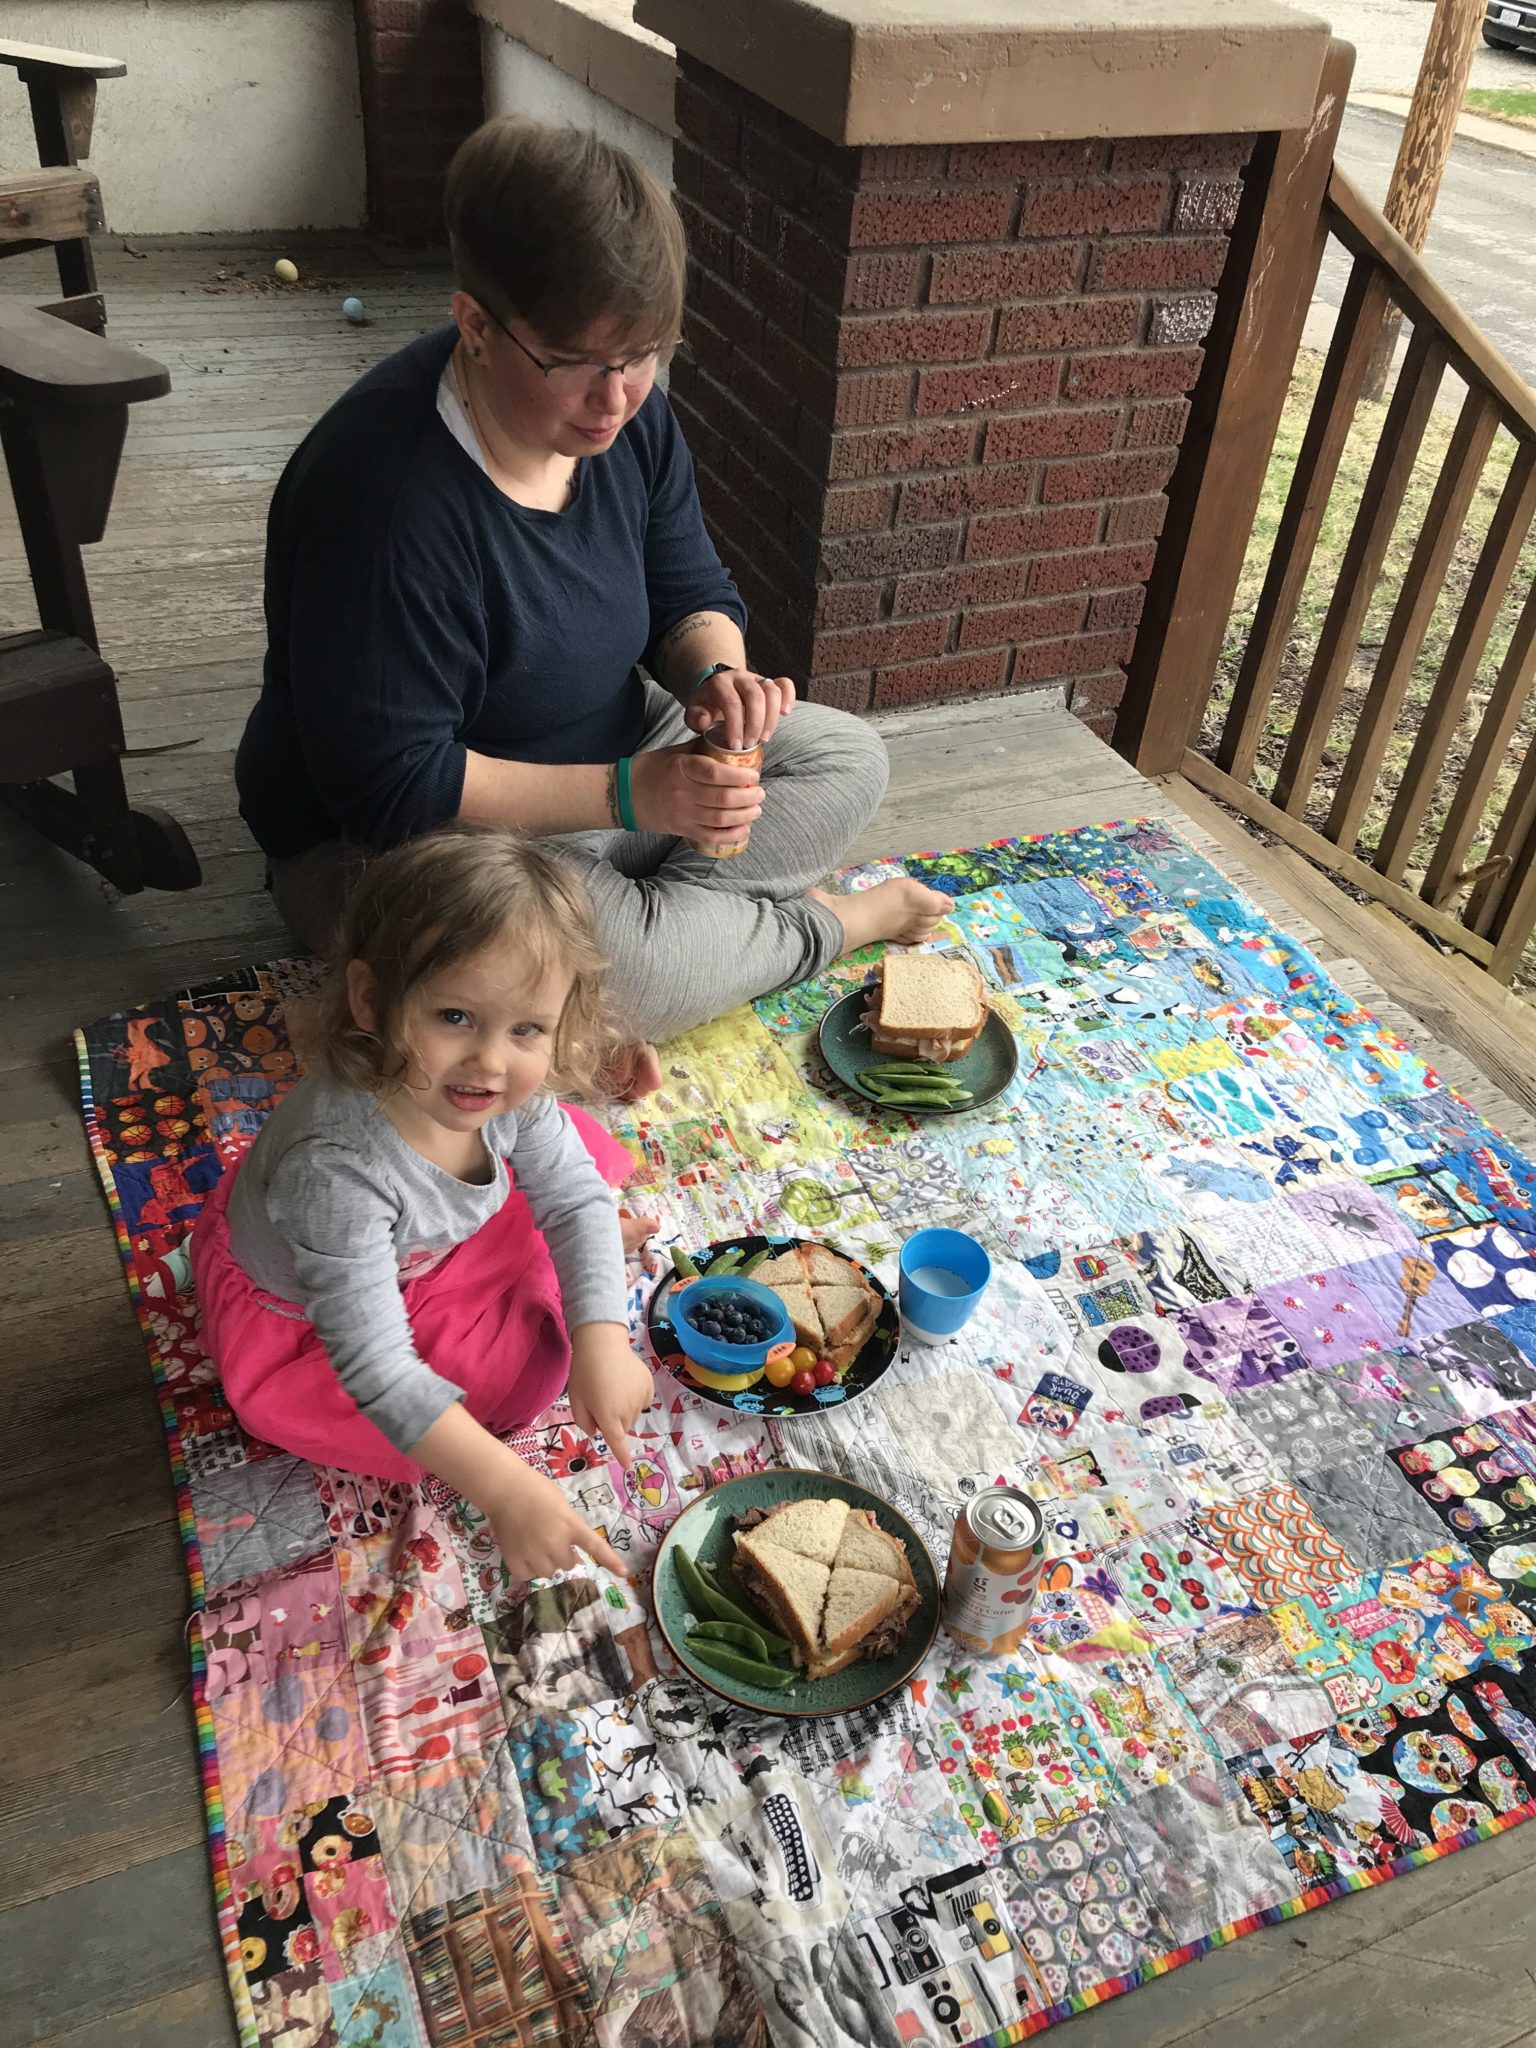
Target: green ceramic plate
x,y
705,1531
985,1070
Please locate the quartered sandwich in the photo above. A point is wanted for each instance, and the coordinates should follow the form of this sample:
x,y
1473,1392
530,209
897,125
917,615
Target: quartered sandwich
x,y
833,1307
829,1578
926,1006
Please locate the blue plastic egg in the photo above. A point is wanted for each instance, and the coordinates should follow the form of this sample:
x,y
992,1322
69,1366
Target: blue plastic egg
x,y
353,310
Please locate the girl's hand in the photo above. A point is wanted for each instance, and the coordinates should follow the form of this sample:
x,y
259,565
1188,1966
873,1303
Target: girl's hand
x,y
636,1231
610,1388
675,790
537,1530
748,705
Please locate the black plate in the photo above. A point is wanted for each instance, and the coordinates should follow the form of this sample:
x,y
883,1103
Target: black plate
x,y
764,1399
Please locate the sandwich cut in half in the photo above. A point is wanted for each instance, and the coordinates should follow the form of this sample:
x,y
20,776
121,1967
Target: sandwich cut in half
x,y
833,1307
927,1006
830,1579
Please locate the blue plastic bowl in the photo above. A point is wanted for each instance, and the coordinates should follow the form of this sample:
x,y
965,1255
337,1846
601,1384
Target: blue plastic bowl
x,y
710,1352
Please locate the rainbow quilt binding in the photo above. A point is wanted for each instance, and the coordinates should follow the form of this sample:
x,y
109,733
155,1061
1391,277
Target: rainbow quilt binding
x,y
1384,1715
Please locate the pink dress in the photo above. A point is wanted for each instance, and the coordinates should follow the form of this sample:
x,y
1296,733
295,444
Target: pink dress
x,y
486,1317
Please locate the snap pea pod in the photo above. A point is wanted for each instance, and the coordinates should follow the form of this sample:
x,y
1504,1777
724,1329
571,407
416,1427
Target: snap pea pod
x,y
735,1636
709,1602
902,1080
778,1646
923,1070
756,1260
921,1098
720,1657
726,1263
683,1264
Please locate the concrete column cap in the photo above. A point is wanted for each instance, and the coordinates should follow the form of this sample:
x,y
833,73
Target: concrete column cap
x,y
915,71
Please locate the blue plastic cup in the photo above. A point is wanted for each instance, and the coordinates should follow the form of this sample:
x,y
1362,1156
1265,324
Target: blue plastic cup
x,y
944,1274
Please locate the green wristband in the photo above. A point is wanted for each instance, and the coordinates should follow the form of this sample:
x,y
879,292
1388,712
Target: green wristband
x,y
626,798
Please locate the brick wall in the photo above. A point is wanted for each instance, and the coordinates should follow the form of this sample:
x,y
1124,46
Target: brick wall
x,y
934,393
419,69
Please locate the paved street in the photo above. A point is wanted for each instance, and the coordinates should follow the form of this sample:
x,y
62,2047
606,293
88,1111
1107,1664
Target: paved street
x,y
1482,246
1388,36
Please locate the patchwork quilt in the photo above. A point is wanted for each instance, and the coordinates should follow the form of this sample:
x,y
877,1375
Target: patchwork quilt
x,y
1262,1343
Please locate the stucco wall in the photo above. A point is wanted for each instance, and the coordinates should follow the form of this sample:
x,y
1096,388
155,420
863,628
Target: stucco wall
x,y
519,81
235,114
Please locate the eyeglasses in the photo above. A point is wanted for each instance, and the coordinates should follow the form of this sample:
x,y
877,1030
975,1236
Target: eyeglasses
x,y
574,378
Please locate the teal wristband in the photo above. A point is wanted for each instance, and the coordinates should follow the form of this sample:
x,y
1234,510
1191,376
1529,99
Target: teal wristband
x,y
715,668
626,798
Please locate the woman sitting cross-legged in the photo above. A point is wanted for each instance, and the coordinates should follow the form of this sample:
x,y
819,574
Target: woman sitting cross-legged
x,y
471,558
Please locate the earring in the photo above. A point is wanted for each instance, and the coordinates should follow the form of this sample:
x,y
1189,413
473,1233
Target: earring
x,y
475,352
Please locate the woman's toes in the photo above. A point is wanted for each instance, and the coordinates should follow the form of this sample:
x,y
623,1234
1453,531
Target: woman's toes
x,y
634,1070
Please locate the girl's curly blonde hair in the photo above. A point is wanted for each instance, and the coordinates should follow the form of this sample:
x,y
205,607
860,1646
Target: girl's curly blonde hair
x,y
433,902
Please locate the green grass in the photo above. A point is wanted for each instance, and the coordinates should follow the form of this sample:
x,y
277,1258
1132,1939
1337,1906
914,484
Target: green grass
x,y
1519,107
1321,582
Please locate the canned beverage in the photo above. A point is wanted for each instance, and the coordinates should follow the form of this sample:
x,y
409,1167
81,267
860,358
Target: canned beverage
x,y
995,1562
750,757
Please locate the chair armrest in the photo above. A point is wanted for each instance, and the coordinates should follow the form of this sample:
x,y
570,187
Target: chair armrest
x,y
41,355
69,64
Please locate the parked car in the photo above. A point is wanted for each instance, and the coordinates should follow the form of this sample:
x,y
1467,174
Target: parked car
x,y
1511,25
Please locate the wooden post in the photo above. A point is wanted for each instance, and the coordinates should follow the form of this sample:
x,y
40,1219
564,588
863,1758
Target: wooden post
x,y
1425,149
1266,288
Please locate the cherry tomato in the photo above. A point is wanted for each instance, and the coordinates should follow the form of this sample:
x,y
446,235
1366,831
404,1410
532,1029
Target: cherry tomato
x,y
804,1358
778,1372
826,1372
804,1381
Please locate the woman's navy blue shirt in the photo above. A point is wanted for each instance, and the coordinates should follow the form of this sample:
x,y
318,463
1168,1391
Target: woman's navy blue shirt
x,y
413,611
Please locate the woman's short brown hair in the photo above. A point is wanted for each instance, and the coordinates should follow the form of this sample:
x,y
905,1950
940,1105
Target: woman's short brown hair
x,y
561,228
423,907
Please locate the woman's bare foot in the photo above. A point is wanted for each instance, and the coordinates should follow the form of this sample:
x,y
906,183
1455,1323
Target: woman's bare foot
x,y
902,912
635,1230
633,1071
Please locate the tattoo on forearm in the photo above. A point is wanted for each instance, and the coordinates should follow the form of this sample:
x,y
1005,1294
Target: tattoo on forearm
x,y
611,794
674,636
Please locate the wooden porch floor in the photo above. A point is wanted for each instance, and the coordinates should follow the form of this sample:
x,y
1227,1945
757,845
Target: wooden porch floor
x,y
107,1939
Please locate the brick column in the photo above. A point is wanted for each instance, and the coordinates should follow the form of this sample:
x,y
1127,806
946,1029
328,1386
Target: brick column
x,y
419,72
934,392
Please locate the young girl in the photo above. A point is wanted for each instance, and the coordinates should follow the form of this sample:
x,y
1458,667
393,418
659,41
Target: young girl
x,y
376,1292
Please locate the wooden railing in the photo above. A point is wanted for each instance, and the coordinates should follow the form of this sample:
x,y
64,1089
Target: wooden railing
x,y
1423,819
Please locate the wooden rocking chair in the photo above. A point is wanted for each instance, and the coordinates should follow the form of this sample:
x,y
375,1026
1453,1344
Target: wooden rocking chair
x,y
64,398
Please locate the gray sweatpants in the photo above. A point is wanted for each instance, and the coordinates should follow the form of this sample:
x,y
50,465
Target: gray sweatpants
x,y
689,936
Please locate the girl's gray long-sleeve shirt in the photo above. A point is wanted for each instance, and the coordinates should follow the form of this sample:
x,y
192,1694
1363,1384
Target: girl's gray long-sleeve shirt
x,y
332,1212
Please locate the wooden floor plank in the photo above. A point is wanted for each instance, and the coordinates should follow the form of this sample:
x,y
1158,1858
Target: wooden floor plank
x,y
197,2016
78,1958
59,1598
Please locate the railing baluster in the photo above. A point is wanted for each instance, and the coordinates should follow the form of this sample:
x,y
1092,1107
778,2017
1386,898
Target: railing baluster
x,y
1423,585
1509,835
1517,911
1386,485
1506,700
1333,411
1486,592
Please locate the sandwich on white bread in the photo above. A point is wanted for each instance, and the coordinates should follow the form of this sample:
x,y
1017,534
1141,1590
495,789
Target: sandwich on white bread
x,y
847,1317
831,1304
830,1579
803,1313
927,1006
